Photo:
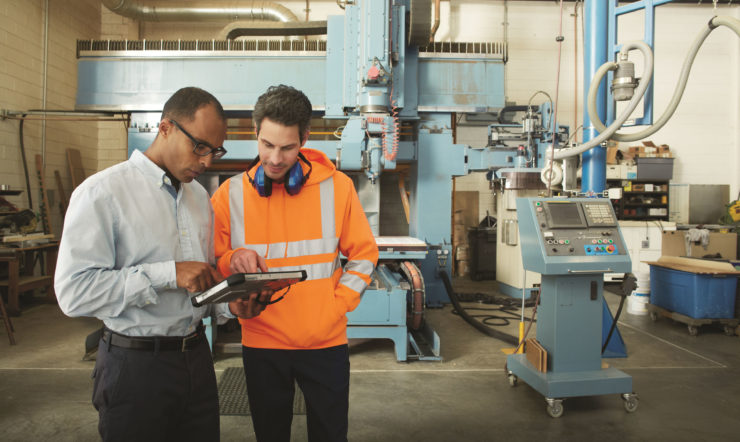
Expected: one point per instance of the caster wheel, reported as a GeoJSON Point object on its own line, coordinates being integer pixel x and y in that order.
{"type": "Point", "coordinates": [555, 408]}
{"type": "Point", "coordinates": [513, 380]}
{"type": "Point", "coordinates": [729, 331]}
{"type": "Point", "coordinates": [693, 330]}
{"type": "Point", "coordinates": [653, 316]}
{"type": "Point", "coordinates": [630, 402]}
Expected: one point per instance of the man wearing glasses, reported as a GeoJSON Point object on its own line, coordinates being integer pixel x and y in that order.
{"type": "Point", "coordinates": [137, 243]}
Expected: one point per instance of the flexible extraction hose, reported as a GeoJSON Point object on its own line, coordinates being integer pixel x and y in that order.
{"type": "Point", "coordinates": [593, 89]}
{"type": "Point", "coordinates": [610, 132]}
{"type": "Point", "coordinates": [714, 23]}
{"type": "Point", "coordinates": [511, 109]}
{"type": "Point", "coordinates": [478, 325]}
{"type": "Point", "coordinates": [417, 294]}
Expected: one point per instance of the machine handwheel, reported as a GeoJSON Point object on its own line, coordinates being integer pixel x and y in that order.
{"type": "Point", "coordinates": [630, 402]}
{"type": "Point", "coordinates": [513, 380]}
{"type": "Point", "coordinates": [555, 407]}
{"type": "Point", "coordinates": [693, 330]}
{"type": "Point", "coordinates": [653, 316]}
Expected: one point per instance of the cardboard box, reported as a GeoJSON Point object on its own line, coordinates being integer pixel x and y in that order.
{"type": "Point", "coordinates": [648, 149]}
{"type": "Point", "coordinates": [629, 172]}
{"type": "Point", "coordinates": [674, 244]}
{"type": "Point", "coordinates": [613, 171]}
{"type": "Point", "coordinates": [697, 288]}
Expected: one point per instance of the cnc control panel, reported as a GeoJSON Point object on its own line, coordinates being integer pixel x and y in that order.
{"type": "Point", "coordinates": [578, 227]}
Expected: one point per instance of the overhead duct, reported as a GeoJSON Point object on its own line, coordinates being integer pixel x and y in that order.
{"type": "Point", "coordinates": [183, 11]}
{"type": "Point", "coordinates": [238, 29]}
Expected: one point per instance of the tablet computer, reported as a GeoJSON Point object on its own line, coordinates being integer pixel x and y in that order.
{"type": "Point", "coordinates": [240, 285]}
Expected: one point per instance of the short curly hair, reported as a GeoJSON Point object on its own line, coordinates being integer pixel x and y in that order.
{"type": "Point", "coordinates": [184, 103]}
{"type": "Point", "coordinates": [285, 105]}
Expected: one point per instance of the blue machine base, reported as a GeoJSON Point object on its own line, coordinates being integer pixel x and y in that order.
{"type": "Point", "coordinates": [515, 292]}
{"type": "Point", "coordinates": [399, 336]}
{"type": "Point", "coordinates": [570, 384]}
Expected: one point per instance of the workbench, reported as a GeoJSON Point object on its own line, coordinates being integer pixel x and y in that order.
{"type": "Point", "coordinates": [21, 276]}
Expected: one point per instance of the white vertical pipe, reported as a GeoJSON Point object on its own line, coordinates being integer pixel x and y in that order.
{"type": "Point", "coordinates": [46, 64]}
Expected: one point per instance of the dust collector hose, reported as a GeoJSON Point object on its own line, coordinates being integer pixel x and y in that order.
{"type": "Point", "coordinates": [714, 23]}
{"type": "Point", "coordinates": [478, 325]}
{"type": "Point", "coordinates": [607, 133]}
{"type": "Point", "coordinates": [611, 131]}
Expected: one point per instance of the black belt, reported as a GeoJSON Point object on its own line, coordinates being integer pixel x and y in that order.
{"type": "Point", "coordinates": [160, 343]}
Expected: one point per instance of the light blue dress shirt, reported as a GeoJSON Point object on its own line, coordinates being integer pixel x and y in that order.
{"type": "Point", "coordinates": [125, 228]}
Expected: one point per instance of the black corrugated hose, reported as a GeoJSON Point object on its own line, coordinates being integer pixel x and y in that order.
{"type": "Point", "coordinates": [477, 324]}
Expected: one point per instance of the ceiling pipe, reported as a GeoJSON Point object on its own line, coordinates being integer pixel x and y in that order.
{"type": "Point", "coordinates": [237, 29]}
{"type": "Point", "coordinates": [152, 10]}
{"type": "Point", "coordinates": [436, 21]}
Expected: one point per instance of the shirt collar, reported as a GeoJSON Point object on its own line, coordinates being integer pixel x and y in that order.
{"type": "Point", "coordinates": [149, 169]}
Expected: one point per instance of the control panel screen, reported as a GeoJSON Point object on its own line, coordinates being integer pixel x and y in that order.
{"type": "Point", "coordinates": [564, 214]}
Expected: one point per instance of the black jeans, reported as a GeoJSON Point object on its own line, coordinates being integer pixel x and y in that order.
{"type": "Point", "coordinates": [156, 396]}
{"type": "Point", "coordinates": [322, 375]}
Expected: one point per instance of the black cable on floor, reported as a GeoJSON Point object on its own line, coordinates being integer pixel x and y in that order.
{"type": "Point", "coordinates": [470, 320]}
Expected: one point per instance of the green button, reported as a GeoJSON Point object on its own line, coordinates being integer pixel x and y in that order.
{"type": "Point", "coordinates": [567, 241]}
{"type": "Point", "coordinates": [538, 203]}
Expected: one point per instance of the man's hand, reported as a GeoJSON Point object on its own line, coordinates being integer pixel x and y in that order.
{"type": "Point", "coordinates": [196, 276]}
{"type": "Point", "coordinates": [247, 261]}
{"type": "Point", "coordinates": [252, 306]}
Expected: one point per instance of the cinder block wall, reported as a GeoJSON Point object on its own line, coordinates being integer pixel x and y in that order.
{"type": "Point", "coordinates": [24, 57]}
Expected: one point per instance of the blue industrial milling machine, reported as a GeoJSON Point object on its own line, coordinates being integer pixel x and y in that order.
{"type": "Point", "coordinates": [377, 72]}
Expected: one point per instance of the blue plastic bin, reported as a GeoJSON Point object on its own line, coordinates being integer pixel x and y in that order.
{"type": "Point", "coordinates": [695, 295]}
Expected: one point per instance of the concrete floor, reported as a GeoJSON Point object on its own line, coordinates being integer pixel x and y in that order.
{"type": "Point", "coordinates": [689, 387]}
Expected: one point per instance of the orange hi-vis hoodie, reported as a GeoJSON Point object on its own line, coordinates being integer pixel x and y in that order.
{"type": "Point", "coordinates": [306, 231]}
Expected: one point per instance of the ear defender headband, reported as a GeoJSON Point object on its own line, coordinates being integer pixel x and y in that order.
{"type": "Point", "coordinates": [294, 179]}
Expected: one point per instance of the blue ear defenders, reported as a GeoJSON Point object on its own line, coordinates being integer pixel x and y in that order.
{"type": "Point", "coordinates": [293, 182]}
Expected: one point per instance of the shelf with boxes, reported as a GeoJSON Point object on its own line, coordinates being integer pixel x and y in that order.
{"type": "Point", "coordinates": [643, 173]}
{"type": "Point", "coordinates": [641, 200]}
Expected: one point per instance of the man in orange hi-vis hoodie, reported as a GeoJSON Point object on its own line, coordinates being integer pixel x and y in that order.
{"type": "Point", "coordinates": [293, 210]}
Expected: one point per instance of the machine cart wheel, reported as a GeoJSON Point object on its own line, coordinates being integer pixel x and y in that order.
{"type": "Point", "coordinates": [630, 402]}
{"type": "Point", "coordinates": [693, 324]}
{"type": "Point", "coordinates": [554, 407]}
{"type": "Point", "coordinates": [513, 379]}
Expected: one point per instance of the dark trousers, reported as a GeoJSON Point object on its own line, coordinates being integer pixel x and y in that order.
{"type": "Point", "coordinates": [156, 395]}
{"type": "Point", "coordinates": [322, 375]}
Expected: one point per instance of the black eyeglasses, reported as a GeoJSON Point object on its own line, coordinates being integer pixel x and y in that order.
{"type": "Point", "coordinates": [201, 148]}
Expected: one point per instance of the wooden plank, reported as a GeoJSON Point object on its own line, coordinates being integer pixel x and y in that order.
{"type": "Point", "coordinates": [76, 171]}
{"type": "Point", "coordinates": [44, 204]}
{"type": "Point", "coordinates": [62, 194]}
